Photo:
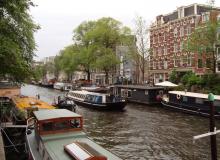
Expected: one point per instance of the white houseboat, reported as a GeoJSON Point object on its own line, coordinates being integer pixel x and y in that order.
{"type": "Point", "coordinates": [99, 101]}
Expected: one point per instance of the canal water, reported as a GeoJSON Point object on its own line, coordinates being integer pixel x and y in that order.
{"type": "Point", "coordinates": [142, 132]}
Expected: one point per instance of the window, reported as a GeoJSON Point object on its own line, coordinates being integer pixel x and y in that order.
{"type": "Point", "coordinates": [175, 48]}
{"type": "Point", "coordinates": [165, 64]}
{"type": "Point", "coordinates": [175, 32]}
{"type": "Point", "coordinates": [165, 50]}
{"type": "Point", "coordinates": [188, 30]}
{"type": "Point", "coordinates": [176, 62]}
{"type": "Point", "coordinates": [47, 126]}
{"type": "Point", "coordinates": [185, 99]}
{"type": "Point", "coordinates": [199, 63]}
{"type": "Point", "coordinates": [181, 31]}
{"type": "Point", "coordinates": [181, 46]}
{"type": "Point", "coordinates": [159, 50]}
{"type": "Point", "coordinates": [146, 92]}
{"type": "Point", "coordinates": [164, 37]}
{"type": "Point", "coordinates": [205, 17]}
{"type": "Point", "coordinates": [218, 52]}
{"type": "Point", "coordinates": [154, 65]}
{"type": "Point", "coordinates": [199, 100]}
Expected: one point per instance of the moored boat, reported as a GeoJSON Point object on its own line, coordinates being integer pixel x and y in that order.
{"type": "Point", "coordinates": [99, 101]}
{"type": "Point", "coordinates": [27, 105]}
{"type": "Point", "coordinates": [58, 135]}
{"type": "Point", "coordinates": [190, 102]}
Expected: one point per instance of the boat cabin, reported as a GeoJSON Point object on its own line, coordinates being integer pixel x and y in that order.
{"type": "Point", "coordinates": [57, 121]}
{"type": "Point", "coordinates": [138, 93]}
{"type": "Point", "coordinates": [59, 135]}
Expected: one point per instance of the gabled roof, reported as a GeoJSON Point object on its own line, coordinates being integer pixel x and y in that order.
{"type": "Point", "coordinates": [54, 113]}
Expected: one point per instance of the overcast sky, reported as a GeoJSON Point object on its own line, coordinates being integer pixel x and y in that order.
{"type": "Point", "coordinates": [58, 18]}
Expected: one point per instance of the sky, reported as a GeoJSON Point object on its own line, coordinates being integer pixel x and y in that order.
{"type": "Point", "coordinates": [58, 18]}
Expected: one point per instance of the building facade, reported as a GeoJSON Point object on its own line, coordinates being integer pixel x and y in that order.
{"type": "Point", "coordinates": [167, 37]}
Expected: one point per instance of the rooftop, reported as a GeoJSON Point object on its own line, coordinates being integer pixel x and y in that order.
{"type": "Point", "coordinates": [137, 87]}
{"type": "Point", "coordinates": [54, 113]}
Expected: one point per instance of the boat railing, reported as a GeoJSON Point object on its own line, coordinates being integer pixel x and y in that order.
{"type": "Point", "coordinates": [27, 139]}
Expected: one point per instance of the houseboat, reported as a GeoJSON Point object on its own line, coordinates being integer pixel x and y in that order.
{"type": "Point", "coordinates": [99, 101]}
{"type": "Point", "coordinates": [138, 93]}
{"type": "Point", "coordinates": [58, 135]}
{"type": "Point", "coordinates": [190, 102]}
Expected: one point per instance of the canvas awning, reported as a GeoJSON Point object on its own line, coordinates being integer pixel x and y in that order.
{"type": "Point", "coordinates": [166, 84]}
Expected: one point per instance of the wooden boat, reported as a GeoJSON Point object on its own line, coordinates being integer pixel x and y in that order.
{"type": "Point", "coordinates": [190, 102]}
{"type": "Point", "coordinates": [99, 101]}
{"type": "Point", "coordinates": [58, 135]}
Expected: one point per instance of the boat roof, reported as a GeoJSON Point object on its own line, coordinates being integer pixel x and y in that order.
{"type": "Point", "coordinates": [193, 94]}
{"type": "Point", "coordinates": [138, 87]}
{"type": "Point", "coordinates": [54, 113]}
{"type": "Point", "coordinates": [23, 102]}
{"type": "Point", "coordinates": [54, 144]}
{"type": "Point", "coordinates": [87, 92]}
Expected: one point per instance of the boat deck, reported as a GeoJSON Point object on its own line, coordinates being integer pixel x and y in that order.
{"type": "Point", "coordinates": [2, 150]}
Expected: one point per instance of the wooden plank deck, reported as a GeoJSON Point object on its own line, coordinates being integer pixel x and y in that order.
{"type": "Point", "coordinates": [2, 150]}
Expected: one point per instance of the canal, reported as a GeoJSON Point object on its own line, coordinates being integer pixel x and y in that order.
{"type": "Point", "coordinates": [142, 132]}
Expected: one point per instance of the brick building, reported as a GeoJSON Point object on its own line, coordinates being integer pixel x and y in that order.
{"type": "Point", "coordinates": [167, 36]}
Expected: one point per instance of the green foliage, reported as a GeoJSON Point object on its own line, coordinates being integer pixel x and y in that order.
{"type": "Point", "coordinates": [190, 79]}
{"type": "Point", "coordinates": [203, 39]}
{"type": "Point", "coordinates": [16, 39]}
{"type": "Point", "coordinates": [173, 76]}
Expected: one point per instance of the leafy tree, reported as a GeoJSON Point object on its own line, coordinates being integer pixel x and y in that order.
{"type": "Point", "coordinates": [173, 76]}
{"type": "Point", "coordinates": [204, 39]}
{"type": "Point", "coordinates": [107, 62]}
{"type": "Point", "coordinates": [16, 39]}
{"type": "Point", "coordinates": [68, 60]}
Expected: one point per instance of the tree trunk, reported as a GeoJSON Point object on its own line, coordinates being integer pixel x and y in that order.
{"type": "Point", "coordinates": [88, 75]}
{"type": "Point", "coordinates": [106, 77]}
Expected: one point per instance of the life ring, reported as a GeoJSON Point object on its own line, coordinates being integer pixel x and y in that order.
{"type": "Point", "coordinates": [178, 96]}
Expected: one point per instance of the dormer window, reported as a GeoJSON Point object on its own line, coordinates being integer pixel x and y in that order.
{"type": "Point", "coordinates": [205, 16]}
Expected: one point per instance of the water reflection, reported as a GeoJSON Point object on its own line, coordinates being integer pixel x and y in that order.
{"type": "Point", "coordinates": [142, 132]}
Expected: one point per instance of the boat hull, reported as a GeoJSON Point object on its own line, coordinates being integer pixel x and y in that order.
{"type": "Point", "coordinates": [102, 106]}
{"type": "Point", "coordinates": [188, 109]}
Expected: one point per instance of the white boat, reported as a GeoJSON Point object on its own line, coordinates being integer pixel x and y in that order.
{"type": "Point", "coordinates": [62, 86]}
{"type": "Point", "coordinates": [99, 101]}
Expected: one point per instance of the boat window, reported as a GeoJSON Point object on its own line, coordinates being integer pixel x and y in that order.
{"type": "Point", "coordinates": [146, 92]}
{"type": "Point", "coordinates": [48, 126]}
{"type": "Point", "coordinates": [185, 99]}
{"type": "Point", "coordinates": [199, 100]}
{"type": "Point", "coordinates": [98, 99]}
{"type": "Point", "coordinates": [62, 125]}
{"type": "Point", "coordinates": [75, 123]}
{"type": "Point", "coordinates": [129, 93]}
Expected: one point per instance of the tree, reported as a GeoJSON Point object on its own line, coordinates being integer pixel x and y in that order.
{"type": "Point", "coordinates": [107, 62]}
{"type": "Point", "coordinates": [16, 39]}
{"type": "Point", "coordinates": [68, 60]}
{"type": "Point", "coordinates": [142, 42]}
{"type": "Point", "coordinates": [205, 38]}
{"type": "Point", "coordinates": [97, 41]}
